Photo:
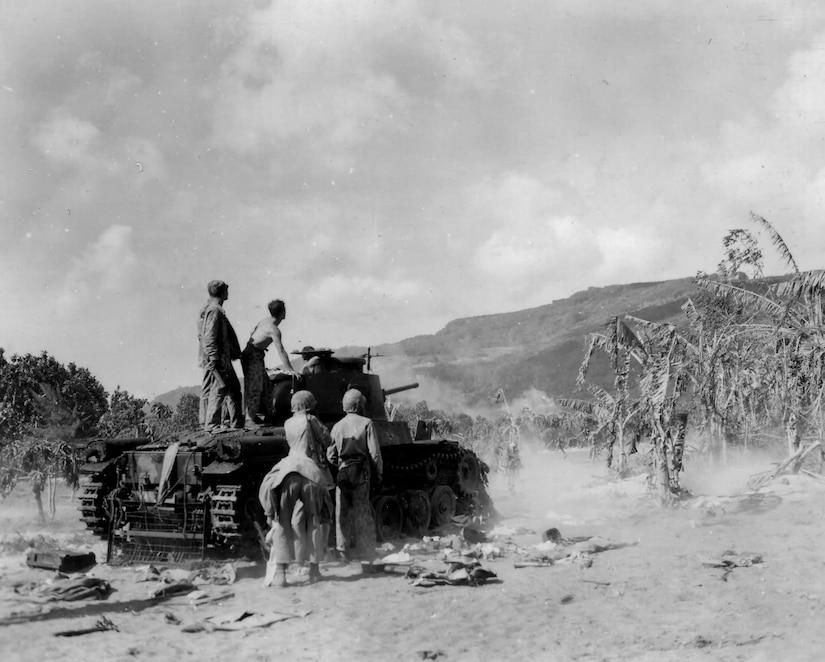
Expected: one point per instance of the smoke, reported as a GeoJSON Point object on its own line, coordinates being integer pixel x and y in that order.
{"type": "Point", "coordinates": [439, 395]}
{"type": "Point", "coordinates": [704, 476]}
{"type": "Point", "coordinates": [563, 490]}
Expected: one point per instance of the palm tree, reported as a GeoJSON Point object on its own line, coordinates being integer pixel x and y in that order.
{"type": "Point", "coordinates": [660, 355]}
{"type": "Point", "coordinates": [786, 335]}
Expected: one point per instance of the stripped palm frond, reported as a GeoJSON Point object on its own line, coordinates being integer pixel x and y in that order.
{"type": "Point", "coordinates": [655, 329]}
{"type": "Point", "coordinates": [594, 341]}
{"type": "Point", "coordinates": [626, 337]}
{"type": "Point", "coordinates": [605, 399]}
{"type": "Point", "coordinates": [655, 382]}
{"type": "Point", "coordinates": [776, 240]}
{"type": "Point", "coordinates": [693, 315]}
{"type": "Point", "coordinates": [761, 303]}
{"type": "Point", "coordinates": [805, 285]}
{"type": "Point", "coordinates": [587, 407]}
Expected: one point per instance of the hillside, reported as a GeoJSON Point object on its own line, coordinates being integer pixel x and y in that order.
{"type": "Point", "coordinates": [171, 398]}
{"type": "Point", "coordinates": [537, 348]}
{"type": "Point", "coordinates": [534, 348]}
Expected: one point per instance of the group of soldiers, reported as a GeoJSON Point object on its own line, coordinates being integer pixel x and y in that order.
{"type": "Point", "coordinates": [296, 493]}
{"type": "Point", "coordinates": [221, 404]}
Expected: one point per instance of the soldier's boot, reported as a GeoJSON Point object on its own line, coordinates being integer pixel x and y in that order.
{"type": "Point", "coordinates": [280, 576]}
{"type": "Point", "coordinates": [314, 573]}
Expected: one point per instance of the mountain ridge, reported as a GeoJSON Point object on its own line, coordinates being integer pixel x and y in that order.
{"type": "Point", "coordinates": [534, 348]}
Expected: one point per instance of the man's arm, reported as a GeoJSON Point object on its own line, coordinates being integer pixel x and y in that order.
{"type": "Point", "coordinates": [332, 454]}
{"type": "Point", "coordinates": [320, 431]}
{"type": "Point", "coordinates": [286, 364]}
{"type": "Point", "coordinates": [211, 339]}
{"type": "Point", "coordinates": [374, 450]}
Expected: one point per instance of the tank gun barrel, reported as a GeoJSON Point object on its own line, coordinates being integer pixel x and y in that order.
{"type": "Point", "coordinates": [398, 389]}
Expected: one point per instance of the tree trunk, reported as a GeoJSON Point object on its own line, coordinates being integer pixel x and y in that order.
{"type": "Point", "coordinates": [661, 468]}
{"type": "Point", "coordinates": [792, 434]}
{"type": "Point", "coordinates": [38, 497]}
{"type": "Point", "coordinates": [53, 497]}
{"type": "Point", "coordinates": [622, 451]}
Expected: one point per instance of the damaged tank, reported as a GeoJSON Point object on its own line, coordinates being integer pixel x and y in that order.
{"type": "Point", "coordinates": [195, 494]}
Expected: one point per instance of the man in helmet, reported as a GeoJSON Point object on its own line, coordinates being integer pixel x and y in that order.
{"type": "Point", "coordinates": [356, 453]}
{"type": "Point", "coordinates": [295, 495]}
{"type": "Point", "coordinates": [257, 391]}
{"type": "Point", "coordinates": [218, 347]}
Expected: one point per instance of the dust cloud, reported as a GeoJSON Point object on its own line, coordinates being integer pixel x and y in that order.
{"type": "Point", "coordinates": [554, 489]}
{"type": "Point", "coordinates": [712, 477]}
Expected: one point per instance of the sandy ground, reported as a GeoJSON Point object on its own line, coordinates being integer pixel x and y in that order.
{"type": "Point", "coordinates": [653, 600]}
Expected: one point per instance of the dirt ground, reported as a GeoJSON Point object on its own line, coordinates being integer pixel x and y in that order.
{"type": "Point", "coordinates": [654, 599]}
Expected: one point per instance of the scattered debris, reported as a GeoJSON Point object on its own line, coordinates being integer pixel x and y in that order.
{"type": "Point", "coordinates": [730, 560]}
{"type": "Point", "coordinates": [67, 589]}
{"type": "Point", "coordinates": [224, 574]}
{"type": "Point", "coordinates": [733, 560]}
{"type": "Point", "coordinates": [102, 625]}
{"type": "Point", "coordinates": [473, 536]}
{"type": "Point", "coordinates": [460, 571]}
{"type": "Point", "coordinates": [533, 564]}
{"type": "Point", "coordinates": [241, 620]}
{"type": "Point", "coordinates": [397, 558]}
{"type": "Point", "coordinates": [174, 588]}
{"type": "Point", "coordinates": [552, 535]}
{"type": "Point", "coordinates": [169, 617]}
{"type": "Point", "coordinates": [556, 549]}
{"type": "Point", "coordinates": [430, 655]}
{"type": "Point", "coordinates": [60, 560]}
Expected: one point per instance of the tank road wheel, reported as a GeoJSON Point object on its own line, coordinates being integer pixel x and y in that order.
{"type": "Point", "coordinates": [442, 505]}
{"type": "Point", "coordinates": [469, 474]}
{"type": "Point", "coordinates": [416, 513]}
{"type": "Point", "coordinates": [431, 470]}
{"type": "Point", "coordinates": [389, 518]}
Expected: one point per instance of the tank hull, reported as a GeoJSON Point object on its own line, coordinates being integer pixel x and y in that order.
{"type": "Point", "coordinates": [194, 494]}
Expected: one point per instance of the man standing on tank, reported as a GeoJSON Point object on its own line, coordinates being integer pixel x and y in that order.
{"type": "Point", "coordinates": [257, 389]}
{"type": "Point", "coordinates": [218, 347]}
{"type": "Point", "coordinates": [355, 451]}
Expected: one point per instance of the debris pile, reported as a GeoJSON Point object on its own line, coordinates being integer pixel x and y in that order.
{"type": "Point", "coordinates": [66, 589]}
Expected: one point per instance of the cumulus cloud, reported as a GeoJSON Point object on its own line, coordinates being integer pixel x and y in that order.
{"type": "Point", "coordinates": [105, 267]}
{"type": "Point", "coordinates": [66, 140]}
{"type": "Point", "coordinates": [772, 165]}
{"type": "Point", "coordinates": [335, 74]}
{"type": "Point", "coordinates": [342, 290]}
{"type": "Point", "coordinates": [527, 238]}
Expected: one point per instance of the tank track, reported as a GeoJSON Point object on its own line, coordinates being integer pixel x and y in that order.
{"type": "Point", "coordinates": [93, 509]}
{"type": "Point", "coordinates": [235, 520]}
{"type": "Point", "coordinates": [226, 513]}
{"type": "Point", "coordinates": [426, 492]}
{"type": "Point", "coordinates": [460, 469]}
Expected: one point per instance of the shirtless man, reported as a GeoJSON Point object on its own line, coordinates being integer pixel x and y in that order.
{"type": "Point", "coordinates": [256, 382]}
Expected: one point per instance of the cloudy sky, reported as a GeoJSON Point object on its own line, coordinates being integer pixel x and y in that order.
{"type": "Point", "coordinates": [384, 167]}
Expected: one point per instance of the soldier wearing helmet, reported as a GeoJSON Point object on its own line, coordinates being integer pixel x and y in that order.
{"type": "Point", "coordinates": [356, 454]}
{"type": "Point", "coordinates": [299, 532]}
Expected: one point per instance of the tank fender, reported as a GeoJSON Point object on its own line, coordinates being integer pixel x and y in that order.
{"type": "Point", "coordinates": [221, 468]}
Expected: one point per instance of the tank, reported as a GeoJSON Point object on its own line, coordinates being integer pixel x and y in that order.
{"type": "Point", "coordinates": [195, 494]}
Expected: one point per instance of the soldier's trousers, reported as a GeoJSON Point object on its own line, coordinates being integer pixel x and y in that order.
{"type": "Point", "coordinates": [219, 389]}
{"type": "Point", "coordinates": [257, 390]}
{"type": "Point", "coordinates": [355, 524]}
{"type": "Point", "coordinates": [299, 533]}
